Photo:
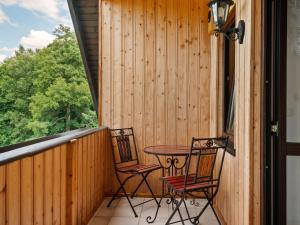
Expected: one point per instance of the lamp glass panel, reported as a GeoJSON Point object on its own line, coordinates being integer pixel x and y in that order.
{"type": "Point", "coordinates": [214, 7]}
{"type": "Point", "coordinates": [222, 13]}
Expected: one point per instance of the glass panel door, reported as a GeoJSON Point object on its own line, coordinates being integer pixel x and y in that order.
{"type": "Point", "coordinates": [293, 71]}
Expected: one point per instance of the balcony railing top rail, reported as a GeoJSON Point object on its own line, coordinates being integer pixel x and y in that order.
{"type": "Point", "coordinates": [19, 151]}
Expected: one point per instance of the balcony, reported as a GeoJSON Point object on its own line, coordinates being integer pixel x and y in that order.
{"type": "Point", "coordinates": [155, 66]}
{"type": "Point", "coordinates": [68, 180]}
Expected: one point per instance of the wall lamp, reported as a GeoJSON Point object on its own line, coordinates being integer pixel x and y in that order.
{"type": "Point", "coordinates": [219, 14]}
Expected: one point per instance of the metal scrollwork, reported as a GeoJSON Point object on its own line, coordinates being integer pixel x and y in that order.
{"type": "Point", "coordinates": [233, 34]}
{"type": "Point", "coordinates": [195, 203]}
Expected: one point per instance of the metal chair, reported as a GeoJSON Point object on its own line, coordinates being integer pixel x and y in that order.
{"type": "Point", "coordinates": [126, 161]}
{"type": "Point", "coordinates": [202, 175]}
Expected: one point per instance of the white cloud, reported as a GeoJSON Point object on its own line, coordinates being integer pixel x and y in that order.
{"type": "Point", "coordinates": [49, 8]}
{"type": "Point", "coordinates": [6, 52]}
{"type": "Point", "coordinates": [2, 57]}
{"type": "Point", "coordinates": [37, 39]}
{"type": "Point", "coordinates": [3, 17]}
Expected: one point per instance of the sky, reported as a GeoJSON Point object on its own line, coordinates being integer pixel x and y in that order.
{"type": "Point", "coordinates": [30, 23]}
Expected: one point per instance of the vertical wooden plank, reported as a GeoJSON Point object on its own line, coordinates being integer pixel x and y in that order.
{"type": "Point", "coordinates": [48, 188]}
{"type": "Point", "coordinates": [108, 164]}
{"type": "Point", "coordinates": [128, 62]}
{"type": "Point", "coordinates": [63, 199]}
{"type": "Point", "coordinates": [13, 198]}
{"type": "Point", "coordinates": [106, 66]}
{"type": "Point", "coordinates": [80, 182]}
{"type": "Point", "coordinates": [2, 195]}
{"type": "Point", "coordinates": [172, 74]}
{"type": "Point", "coordinates": [182, 68]}
{"type": "Point", "coordinates": [117, 63]}
{"type": "Point", "coordinates": [240, 122]}
{"type": "Point", "coordinates": [88, 175]}
{"type": "Point", "coordinates": [27, 191]}
{"type": "Point", "coordinates": [57, 185]}
{"type": "Point", "coordinates": [39, 189]}
{"type": "Point", "coordinates": [193, 79]}
{"type": "Point", "coordinates": [100, 70]}
{"type": "Point", "coordinates": [84, 180]}
{"type": "Point", "coordinates": [139, 73]}
{"type": "Point", "coordinates": [72, 184]}
{"type": "Point", "coordinates": [205, 65]}
{"type": "Point", "coordinates": [214, 89]}
{"type": "Point", "coordinates": [97, 169]}
{"type": "Point", "coordinates": [257, 115]}
{"type": "Point", "coordinates": [92, 172]}
{"type": "Point", "coordinates": [149, 86]}
{"type": "Point", "coordinates": [248, 13]}
{"type": "Point", "coordinates": [150, 73]}
{"type": "Point", "coordinates": [102, 169]}
{"type": "Point", "coordinates": [160, 57]}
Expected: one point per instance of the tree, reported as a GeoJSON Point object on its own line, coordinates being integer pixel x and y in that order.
{"type": "Point", "coordinates": [44, 92]}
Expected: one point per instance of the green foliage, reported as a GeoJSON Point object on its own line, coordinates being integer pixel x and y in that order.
{"type": "Point", "coordinates": [44, 92]}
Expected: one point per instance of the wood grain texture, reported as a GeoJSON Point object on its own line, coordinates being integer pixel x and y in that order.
{"type": "Point", "coordinates": [239, 198]}
{"type": "Point", "coordinates": [2, 195]}
{"type": "Point", "coordinates": [156, 71]}
{"type": "Point", "coordinates": [27, 191]}
{"type": "Point", "coordinates": [13, 194]}
{"type": "Point", "coordinates": [48, 188]}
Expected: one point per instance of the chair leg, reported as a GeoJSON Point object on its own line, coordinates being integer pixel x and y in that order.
{"type": "Point", "coordinates": [135, 214]}
{"type": "Point", "coordinates": [137, 188]}
{"type": "Point", "coordinates": [114, 197]}
{"type": "Point", "coordinates": [118, 191]}
{"type": "Point", "coordinates": [209, 203]}
{"type": "Point", "coordinates": [188, 214]}
{"type": "Point", "coordinates": [213, 209]}
{"type": "Point", "coordinates": [123, 189]}
{"type": "Point", "coordinates": [196, 220]}
{"type": "Point", "coordinates": [145, 179]}
{"type": "Point", "coordinates": [174, 211]}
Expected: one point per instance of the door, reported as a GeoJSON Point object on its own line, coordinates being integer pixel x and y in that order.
{"type": "Point", "coordinates": [282, 85]}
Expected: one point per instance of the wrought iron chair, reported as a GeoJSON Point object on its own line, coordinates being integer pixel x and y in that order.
{"type": "Point", "coordinates": [202, 175]}
{"type": "Point", "coordinates": [126, 161]}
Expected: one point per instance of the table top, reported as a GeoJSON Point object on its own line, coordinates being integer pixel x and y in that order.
{"type": "Point", "coordinates": [168, 150]}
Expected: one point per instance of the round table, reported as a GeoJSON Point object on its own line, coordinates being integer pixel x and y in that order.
{"type": "Point", "coordinates": [168, 150]}
{"type": "Point", "coordinates": [172, 164]}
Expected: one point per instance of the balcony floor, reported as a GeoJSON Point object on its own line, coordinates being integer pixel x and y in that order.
{"type": "Point", "coordinates": [120, 213]}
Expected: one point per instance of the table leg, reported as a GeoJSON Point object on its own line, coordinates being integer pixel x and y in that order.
{"type": "Point", "coordinates": [170, 169]}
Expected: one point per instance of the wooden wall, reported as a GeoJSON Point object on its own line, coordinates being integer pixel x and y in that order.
{"type": "Point", "coordinates": [64, 185]}
{"type": "Point", "coordinates": [155, 77]}
{"type": "Point", "coordinates": [239, 199]}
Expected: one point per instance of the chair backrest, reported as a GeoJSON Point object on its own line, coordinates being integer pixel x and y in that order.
{"type": "Point", "coordinates": [205, 160]}
{"type": "Point", "coordinates": [124, 147]}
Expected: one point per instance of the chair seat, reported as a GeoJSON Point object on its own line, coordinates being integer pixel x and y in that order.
{"type": "Point", "coordinates": [177, 183]}
{"type": "Point", "coordinates": [139, 168]}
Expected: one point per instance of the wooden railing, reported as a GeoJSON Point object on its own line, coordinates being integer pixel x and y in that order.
{"type": "Point", "coordinates": [59, 181]}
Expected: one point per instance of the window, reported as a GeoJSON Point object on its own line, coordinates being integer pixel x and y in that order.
{"type": "Point", "coordinates": [229, 88]}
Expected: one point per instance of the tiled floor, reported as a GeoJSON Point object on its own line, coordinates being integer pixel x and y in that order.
{"type": "Point", "coordinates": [120, 213]}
